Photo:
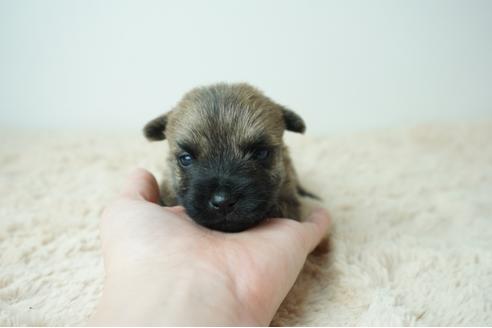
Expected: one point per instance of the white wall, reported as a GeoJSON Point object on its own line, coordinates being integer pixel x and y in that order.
{"type": "Point", "coordinates": [343, 65]}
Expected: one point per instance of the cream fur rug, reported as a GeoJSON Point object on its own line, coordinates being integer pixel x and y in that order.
{"type": "Point", "coordinates": [411, 245]}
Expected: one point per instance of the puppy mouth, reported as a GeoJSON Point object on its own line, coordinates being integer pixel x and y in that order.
{"type": "Point", "coordinates": [232, 223]}
{"type": "Point", "coordinates": [235, 221]}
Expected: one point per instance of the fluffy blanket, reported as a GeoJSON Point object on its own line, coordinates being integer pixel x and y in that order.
{"type": "Point", "coordinates": [411, 244]}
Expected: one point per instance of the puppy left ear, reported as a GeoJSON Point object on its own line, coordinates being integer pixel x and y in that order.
{"type": "Point", "coordinates": [155, 129]}
{"type": "Point", "coordinates": [293, 122]}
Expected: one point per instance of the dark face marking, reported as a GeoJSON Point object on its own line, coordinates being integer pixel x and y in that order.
{"type": "Point", "coordinates": [232, 199]}
{"type": "Point", "coordinates": [228, 190]}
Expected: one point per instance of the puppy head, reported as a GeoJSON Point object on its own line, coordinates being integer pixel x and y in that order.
{"type": "Point", "coordinates": [226, 153]}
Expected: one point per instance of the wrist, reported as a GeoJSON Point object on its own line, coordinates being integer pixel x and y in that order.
{"type": "Point", "coordinates": [187, 297]}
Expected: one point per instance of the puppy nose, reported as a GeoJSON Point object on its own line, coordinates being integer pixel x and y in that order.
{"type": "Point", "coordinates": [222, 201]}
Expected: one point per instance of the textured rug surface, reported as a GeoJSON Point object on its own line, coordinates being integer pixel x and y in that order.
{"type": "Point", "coordinates": [411, 243]}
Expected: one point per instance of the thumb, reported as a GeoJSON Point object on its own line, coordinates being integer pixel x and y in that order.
{"type": "Point", "coordinates": [141, 184]}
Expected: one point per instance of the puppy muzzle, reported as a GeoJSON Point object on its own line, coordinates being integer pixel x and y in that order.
{"type": "Point", "coordinates": [228, 205]}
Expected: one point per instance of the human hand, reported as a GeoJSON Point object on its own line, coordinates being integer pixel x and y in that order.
{"type": "Point", "coordinates": [164, 269]}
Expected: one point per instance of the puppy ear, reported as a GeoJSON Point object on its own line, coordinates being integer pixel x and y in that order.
{"type": "Point", "coordinates": [293, 122]}
{"type": "Point", "coordinates": [155, 129]}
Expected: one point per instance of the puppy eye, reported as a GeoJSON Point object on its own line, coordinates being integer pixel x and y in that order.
{"type": "Point", "coordinates": [185, 159]}
{"type": "Point", "coordinates": [261, 154]}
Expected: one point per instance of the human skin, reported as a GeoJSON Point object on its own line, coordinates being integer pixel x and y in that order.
{"type": "Point", "coordinates": [164, 269]}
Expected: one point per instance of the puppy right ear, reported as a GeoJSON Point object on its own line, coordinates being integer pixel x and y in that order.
{"type": "Point", "coordinates": [293, 122]}
{"type": "Point", "coordinates": [155, 129]}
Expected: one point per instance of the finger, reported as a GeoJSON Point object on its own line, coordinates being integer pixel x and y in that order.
{"type": "Point", "coordinates": [179, 210]}
{"type": "Point", "coordinates": [315, 227]}
{"type": "Point", "coordinates": [141, 184]}
{"type": "Point", "coordinates": [307, 233]}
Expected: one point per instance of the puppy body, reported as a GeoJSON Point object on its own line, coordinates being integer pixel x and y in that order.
{"type": "Point", "coordinates": [228, 164]}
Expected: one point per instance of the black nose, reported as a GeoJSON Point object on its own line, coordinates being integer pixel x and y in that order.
{"type": "Point", "coordinates": [222, 201]}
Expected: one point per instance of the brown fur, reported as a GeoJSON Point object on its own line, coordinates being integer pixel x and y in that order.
{"type": "Point", "coordinates": [236, 114]}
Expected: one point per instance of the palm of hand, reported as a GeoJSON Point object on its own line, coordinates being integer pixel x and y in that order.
{"type": "Point", "coordinates": [251, 271]}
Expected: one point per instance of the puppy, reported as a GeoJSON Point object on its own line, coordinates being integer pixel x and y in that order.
{"type": "Point", "coordinates": [229, 167]}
